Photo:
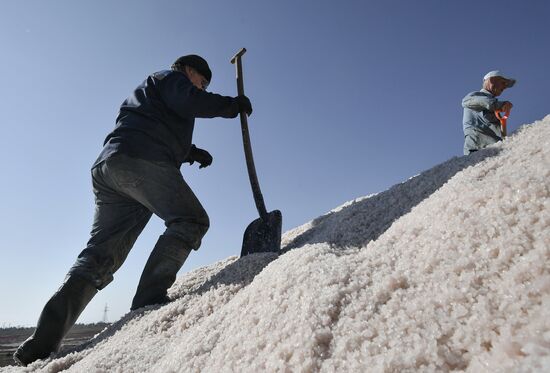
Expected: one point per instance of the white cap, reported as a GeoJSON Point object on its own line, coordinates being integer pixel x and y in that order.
{"type": "Point", "coordinates": [509, 81]}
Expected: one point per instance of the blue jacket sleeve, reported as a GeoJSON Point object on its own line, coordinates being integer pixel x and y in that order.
{"type": "Point", "coordinates": [182, 97]}
{"type": "Point", "coordinates": [478, 101]}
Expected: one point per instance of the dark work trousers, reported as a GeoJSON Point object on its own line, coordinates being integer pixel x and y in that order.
{"type": "Point", "coordinates": [127, 192]}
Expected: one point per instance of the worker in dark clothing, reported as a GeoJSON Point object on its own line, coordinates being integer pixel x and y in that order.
{"type": "Point", "coordinates": [480, 125]}
{"type": "Point", "coordinates": [136, 175]}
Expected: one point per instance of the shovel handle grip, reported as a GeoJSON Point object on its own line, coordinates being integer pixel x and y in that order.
{"type": "Point", "coordinates": [258, 198]}
{"type": "Point", "coordinates": [502, 118]}
{"type": "Point", "coordinates": [236, 60]}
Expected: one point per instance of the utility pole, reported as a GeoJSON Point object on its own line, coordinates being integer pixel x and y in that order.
{"type": "Point", "coordinates": [105, 320]}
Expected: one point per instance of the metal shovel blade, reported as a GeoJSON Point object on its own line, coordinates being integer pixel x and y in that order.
{"type": "Point", "coordinates": [263, 235]}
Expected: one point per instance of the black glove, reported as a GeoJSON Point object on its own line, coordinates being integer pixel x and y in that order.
{"type": "Point", "coordinates": [244, 104]}
{"type": "Point", "coordinates": [199, 155]}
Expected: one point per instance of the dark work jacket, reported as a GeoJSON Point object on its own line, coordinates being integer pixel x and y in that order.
{"type": "Point", "coordinates": [156, 121]}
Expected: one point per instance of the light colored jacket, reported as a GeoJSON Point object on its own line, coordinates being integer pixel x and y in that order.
{"type": "Point", "coordinates": [479, 114]}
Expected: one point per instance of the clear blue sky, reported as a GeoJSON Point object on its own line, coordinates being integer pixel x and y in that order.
{"type": "Point", "coordinates": [349, 98]}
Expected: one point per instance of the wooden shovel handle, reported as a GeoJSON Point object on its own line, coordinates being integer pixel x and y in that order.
{"type": "Point", "coordinates": [258, 198]}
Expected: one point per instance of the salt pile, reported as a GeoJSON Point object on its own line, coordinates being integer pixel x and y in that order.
{"type": "Point", "coordinates": [449, 270]}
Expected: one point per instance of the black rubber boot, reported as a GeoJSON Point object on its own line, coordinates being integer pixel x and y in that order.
{"type": "Point", "coordinates": [160, 272]}
{"type": "Point", "coordinates": [57, 317]}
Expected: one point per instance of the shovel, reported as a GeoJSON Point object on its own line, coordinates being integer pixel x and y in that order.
{"type": "Point", "coordinates": [502, 117]}
{"type": "Point", "coordinates": [263, 235]}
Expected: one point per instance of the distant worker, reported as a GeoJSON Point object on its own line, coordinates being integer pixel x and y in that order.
{"type": "Point", "coordinates": [480, 124]}
{"type": "Point", "coordinates": [136, 175]}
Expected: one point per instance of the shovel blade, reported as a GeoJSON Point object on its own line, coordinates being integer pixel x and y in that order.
{"type": "Point", "coordinates": [263, 235]}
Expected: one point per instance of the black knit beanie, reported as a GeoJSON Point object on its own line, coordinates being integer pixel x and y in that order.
{"type": "Point", "coordinates": [194, 61]}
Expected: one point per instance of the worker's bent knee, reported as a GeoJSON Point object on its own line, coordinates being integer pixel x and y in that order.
{"type": "Point", "coordinates": [190, 231]}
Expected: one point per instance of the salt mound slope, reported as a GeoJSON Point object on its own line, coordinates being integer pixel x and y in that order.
{"type": "Point", "coordinates": [446, 271]}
